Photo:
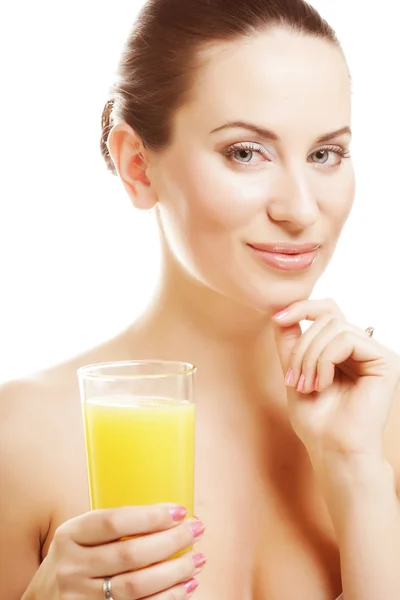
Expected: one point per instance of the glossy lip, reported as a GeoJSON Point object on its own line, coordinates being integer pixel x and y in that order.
{"type": "Point", "coordinates": [285, 248]}
{"type": "Point", "coordinates": [287, 257]}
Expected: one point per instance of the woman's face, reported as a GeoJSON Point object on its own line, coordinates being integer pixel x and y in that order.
{"type": "Point", "coordinates": [258, 166]}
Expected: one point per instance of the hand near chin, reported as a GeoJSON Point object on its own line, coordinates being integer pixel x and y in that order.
{"type": "Point", "coordinates": [341, 383]}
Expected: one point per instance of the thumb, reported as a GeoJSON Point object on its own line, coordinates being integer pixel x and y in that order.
{"type": "Point", "coordinates": [285, 338]}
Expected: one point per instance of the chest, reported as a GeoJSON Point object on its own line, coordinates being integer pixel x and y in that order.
{"type": "Point", "coordinates": [262, 548]}
{"type": "Point", "coordinates": [268, 534]}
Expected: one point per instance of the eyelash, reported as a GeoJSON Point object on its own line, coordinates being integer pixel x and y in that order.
{"type": "Point", "coordinates": [252, 147]}
{"type": "Point", "coordinates": [247, 146]}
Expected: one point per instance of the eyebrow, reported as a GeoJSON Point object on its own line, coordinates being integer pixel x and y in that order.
{"type": "Point", "coordinates": [268, 134]}
{"type": "Point", "coordinates": [334, 134]}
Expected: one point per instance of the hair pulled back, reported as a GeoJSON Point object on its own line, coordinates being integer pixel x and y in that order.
{"type": "Point", "coordinates": [161, 56]}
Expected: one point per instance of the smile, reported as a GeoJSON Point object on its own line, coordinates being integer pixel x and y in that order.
{"type": "Point", "coordinates": [286, 257]}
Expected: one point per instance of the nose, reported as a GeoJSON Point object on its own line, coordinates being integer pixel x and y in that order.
{"type": "Point", "coordinates": [292, 202]}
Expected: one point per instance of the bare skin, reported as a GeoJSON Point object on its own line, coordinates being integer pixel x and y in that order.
{"type": "Point", "coordinates": [268, 534]}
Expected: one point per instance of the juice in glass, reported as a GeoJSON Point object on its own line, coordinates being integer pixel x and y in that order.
{"type": "Point", "coordinates": [139, 423]}
{"type": "Point", "coordinates": [140, 451]}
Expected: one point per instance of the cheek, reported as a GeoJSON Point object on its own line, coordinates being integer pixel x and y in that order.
{"type": "Point", "coordinates": [209, 197]}
{"type": "Point", "coordinates": [206, 211]}
{"type": "Point", "coordinates": [338, 199]}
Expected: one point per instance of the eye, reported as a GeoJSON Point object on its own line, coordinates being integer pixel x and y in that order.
{"type": "Point", "coordinates": [246, 154]}
{"type": "Point", "coordinates": [330, 156]}
{"type": "Point", "coordinates": [321, 156]}
{"type": "Point", "coordinates": [243, 155]}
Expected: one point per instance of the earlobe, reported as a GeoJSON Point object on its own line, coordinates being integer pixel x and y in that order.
{"type": "Point", "coordinates": [128, 155]}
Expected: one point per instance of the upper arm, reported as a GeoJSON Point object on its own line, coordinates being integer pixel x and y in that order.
{"type": "Point", "coordinates": [19, 493]}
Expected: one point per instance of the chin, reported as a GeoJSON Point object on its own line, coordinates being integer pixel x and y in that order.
{"type": "Point", "coordinates": [273, 297]}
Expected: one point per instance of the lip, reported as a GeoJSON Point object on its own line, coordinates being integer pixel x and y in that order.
{"type": "Point", "coordinates": [286, 248]}
{"type": "Point", "coordinates": [287, 257]}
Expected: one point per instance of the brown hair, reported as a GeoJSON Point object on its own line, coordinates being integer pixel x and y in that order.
{"type": "Point", "coordinates": [160, 57]}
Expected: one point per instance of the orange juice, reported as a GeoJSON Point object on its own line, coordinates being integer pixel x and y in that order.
{"type": "Point", "coordinates": [140, 451]}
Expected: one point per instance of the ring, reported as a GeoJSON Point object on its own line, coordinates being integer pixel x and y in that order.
{"type": "Point", "coordinates": [107, 588]}
{"type": "Point", "coordinates": [370, 331]}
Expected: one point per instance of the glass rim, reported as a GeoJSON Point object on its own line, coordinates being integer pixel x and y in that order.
{"type": "Point", "coordinates": [99, 370]}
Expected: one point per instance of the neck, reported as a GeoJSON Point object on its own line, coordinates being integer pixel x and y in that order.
{"type": "Point", "coordinates": [226, 341]}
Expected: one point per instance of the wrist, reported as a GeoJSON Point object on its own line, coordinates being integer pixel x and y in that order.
{"type": "Point", "coordinates": [348, 470]}
{"type": "Point", "coordinates": [355, 485]}
{"type": "Point", "coordinates": [353, 476]}
{"type": "Point", "coordinates": [39, 588]}
{"type": "Point", "coordinates": [29, 595]}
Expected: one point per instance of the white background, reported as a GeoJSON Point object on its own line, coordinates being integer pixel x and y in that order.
{"type": "Point", "coordinates": [77, 263]}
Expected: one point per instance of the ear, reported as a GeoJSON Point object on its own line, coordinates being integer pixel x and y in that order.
{"type": "Point", "coordinates": [128, 155]}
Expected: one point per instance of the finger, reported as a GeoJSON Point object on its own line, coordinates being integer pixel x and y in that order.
{"type": "Point", "coordinates": [326, 372]}
{"type": "Point", "coordinates": [286, 338]}
{"type": "Point", "coordinates": [316, 338]}
{"type": "Point", "coordinates": [155, 579]}
{"type": "Point", "coordinates": [327, 366]}
{"type": "Point", "coordinates": [299, 375]}
{"type": "Point", "coordinates": [140, 552]}
{"type": "Point", "coordinates": [179, 592]}
{"type": "Point", "coordinates": [367, 356]}
{"type": "Point", "coordinates": [307, 310]}
{"type": "Point", "coordinates": [107, 525]}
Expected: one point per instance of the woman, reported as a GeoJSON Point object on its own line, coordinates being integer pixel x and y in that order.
{"type": "Point", "coordinates": [231, 120]}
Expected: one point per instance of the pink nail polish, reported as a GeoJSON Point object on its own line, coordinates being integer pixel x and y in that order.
{"type": "Point", "coordinates": [300, 385]}
{"type": "Point", "coordinates": [199, 560]}
{"type": "Point", "coordinates": [289, 379]}
{"type": "Point", "coordinates": [178, 513]}
{"type": "Point", "coordinates": [197, 528]}
{"type": "Point", "coordinates": [280, 315]}
{"type": "Point", "coordinates": [191, 585]}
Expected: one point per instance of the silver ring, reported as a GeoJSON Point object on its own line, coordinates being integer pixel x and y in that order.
{"type": "Point", "coordinates": [107, 588]}
{"type": "Point", "coordinates": [370, 331]}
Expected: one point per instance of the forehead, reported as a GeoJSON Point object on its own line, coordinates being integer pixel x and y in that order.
{"type": "Point", "coordinates": [278, 78]}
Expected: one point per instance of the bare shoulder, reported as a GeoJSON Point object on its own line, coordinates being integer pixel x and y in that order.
{"type": "Point", "coordinates": [42, 466]}
{"type": "Point", "coordinates": [37, 429]}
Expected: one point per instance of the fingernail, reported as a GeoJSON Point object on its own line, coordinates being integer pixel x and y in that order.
{"type": "Point", "coordinates": [280, 315]}
{"type": "Point", "coordinates": [199, 560]}
{"type": "Point", "coordinates": [178, 513]}
{"type": "Point", "coordinates": [289, 379]}
{"type": "Point", "coordinates": [191, 585]}
{"type": "Point", "coordinates": [197, 528]}
{"type": "Point", "coordinates": [300, 385]}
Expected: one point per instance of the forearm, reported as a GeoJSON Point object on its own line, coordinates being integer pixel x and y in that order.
{"type": "Point", "coordinates": [361, 498]}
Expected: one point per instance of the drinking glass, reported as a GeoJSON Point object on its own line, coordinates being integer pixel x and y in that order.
{"type": "Point", "coordinates": [139, 423]}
